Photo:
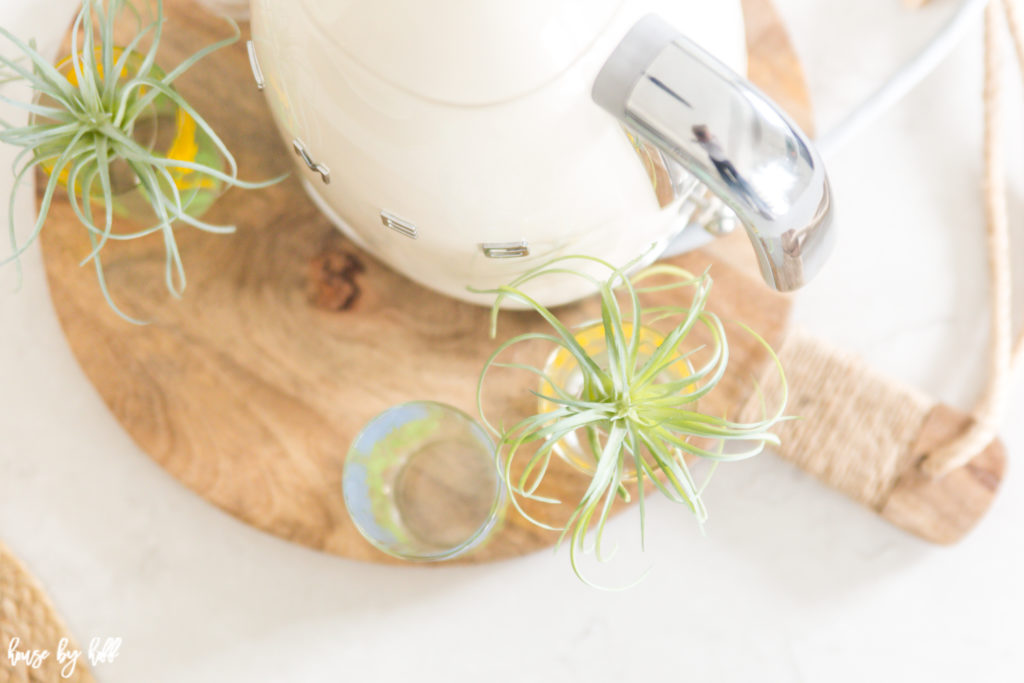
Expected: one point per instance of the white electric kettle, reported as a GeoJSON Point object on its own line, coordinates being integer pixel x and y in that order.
{"type": "Point", "coordinates": [464, 142]}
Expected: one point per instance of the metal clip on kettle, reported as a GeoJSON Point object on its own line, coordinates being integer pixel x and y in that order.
{"type": "Point", "coordinates": [732, 138]}
{"type": "Point", "coordinates": [460, 142]}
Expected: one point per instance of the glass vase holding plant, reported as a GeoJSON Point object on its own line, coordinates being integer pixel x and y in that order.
{"type": "Point", "coordinates": [108, 126]}
{"type": "Point", "coordinates": [620, 397]}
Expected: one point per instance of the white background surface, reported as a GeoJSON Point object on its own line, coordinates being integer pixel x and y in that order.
{"type": "Point", "coordinates": [792, 582]}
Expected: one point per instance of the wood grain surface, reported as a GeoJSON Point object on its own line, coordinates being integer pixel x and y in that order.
{"type": "Point", "coordinates": [944, 510]}
{"type": "Point", "coordinates": [289, 338]}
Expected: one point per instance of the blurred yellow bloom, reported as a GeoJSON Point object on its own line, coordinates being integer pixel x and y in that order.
{"type": "Point", "coordinates": [185, 148]}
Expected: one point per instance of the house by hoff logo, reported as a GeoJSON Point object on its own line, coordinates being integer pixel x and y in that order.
{"type": "Point", "coordinates": [101, 651]}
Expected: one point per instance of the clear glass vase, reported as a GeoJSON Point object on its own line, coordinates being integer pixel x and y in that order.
{"type": "Point", "coordinates": [563, 369]}
{"type": "Point", "coordinates": [421, 483]}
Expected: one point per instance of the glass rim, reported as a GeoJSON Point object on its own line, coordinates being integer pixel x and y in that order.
{"type": "Point", "coordinates": [577, 458]}
{"type": "Point", "coordinates": [481, 533]}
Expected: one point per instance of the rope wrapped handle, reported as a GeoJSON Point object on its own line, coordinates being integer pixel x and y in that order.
{"type": "Point", "coordinates": [867, 436]}
{"type": "Point", "coordinates": [26, 613]}
{"type": "Point", "coordinates": [923, 466]}
{"type": "Point", "coordinates": [1004, 354]}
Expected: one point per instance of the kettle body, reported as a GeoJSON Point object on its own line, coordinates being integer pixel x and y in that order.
{"type": "Point", "coordinates": [459, 141]}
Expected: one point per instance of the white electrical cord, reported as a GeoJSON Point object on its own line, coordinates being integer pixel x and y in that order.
{"type": "Point", "coordinates": [887, 95]}
{"type": "Point", "coordinates": [904, 80]}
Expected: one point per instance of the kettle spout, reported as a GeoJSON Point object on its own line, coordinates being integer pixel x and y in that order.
{"type": "Point", "coordinates": [732, 138]}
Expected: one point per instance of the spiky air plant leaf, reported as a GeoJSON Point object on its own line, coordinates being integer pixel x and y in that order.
{"type": "Point", "coordinates": [83, 121]}
{"type": "Point", "coordinates": [636, 402]}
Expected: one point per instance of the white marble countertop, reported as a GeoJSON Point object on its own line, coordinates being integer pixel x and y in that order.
{"type": "Point", "coordinates": [791, 583]}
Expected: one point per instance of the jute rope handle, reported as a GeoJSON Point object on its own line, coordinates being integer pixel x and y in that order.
{"type": "Point", "coordinates": [1004, 355]}
{"type": "Point", "coordinates": [922, 466]}
{"type": "Point", "coordinates": [865, 435]}
{"type": "Point", "coordinates": [27, 614]}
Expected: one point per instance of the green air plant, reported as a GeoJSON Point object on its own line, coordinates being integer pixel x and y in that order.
{"type": "Point", "coordinates": [89, 130]}
{"type": "Point", "coordinates": [632, 407]}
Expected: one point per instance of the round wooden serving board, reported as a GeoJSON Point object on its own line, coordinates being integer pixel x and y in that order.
{"type": "Point", "coordinates": [289, 338]}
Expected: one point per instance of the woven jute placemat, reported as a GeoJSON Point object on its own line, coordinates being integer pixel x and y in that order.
{"type": "Point", "coordinates": [27, 614]}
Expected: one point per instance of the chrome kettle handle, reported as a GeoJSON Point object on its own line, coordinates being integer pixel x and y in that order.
{"type": "Point", "coordinates": [732, 138]}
